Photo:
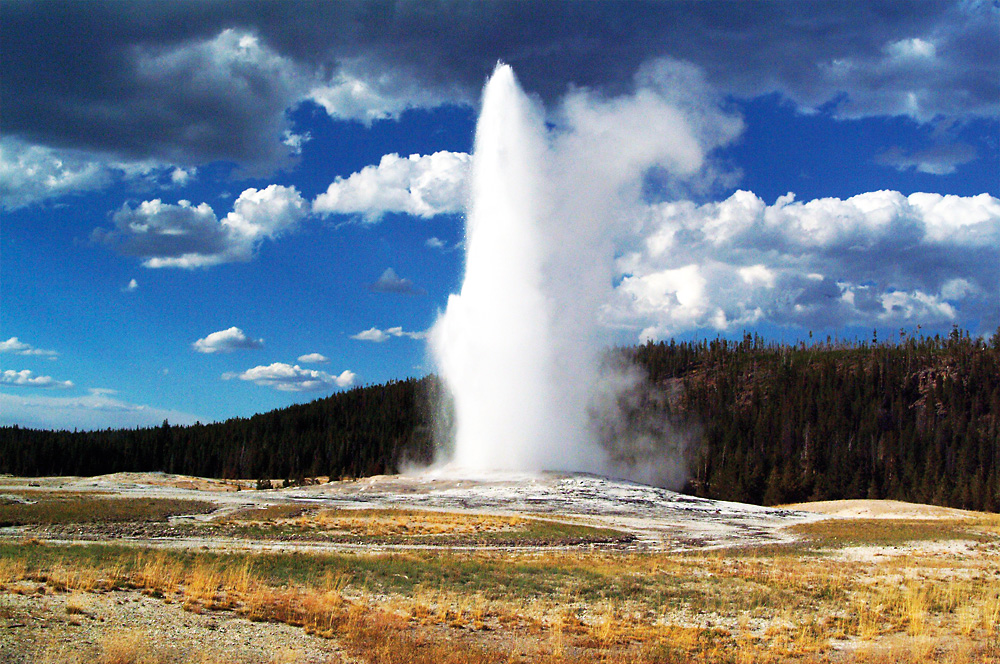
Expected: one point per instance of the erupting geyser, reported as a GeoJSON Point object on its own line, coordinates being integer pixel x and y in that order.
{"type": "Point", "coordinates": [520, 348]}
{"type": "Point", "coordinates": [519, 362]}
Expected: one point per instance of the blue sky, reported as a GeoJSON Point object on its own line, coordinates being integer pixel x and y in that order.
{"type": "Point", "coordinates": [215, 209]}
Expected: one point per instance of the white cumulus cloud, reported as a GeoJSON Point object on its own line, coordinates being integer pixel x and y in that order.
{"type": "Point", "coordinates": [371, 334]}
{"type": "Point", "coordinates": [914, 48]}
{"type": "Point", "coordinates": [875, 258]}
{"type": "Point", "coordinates": [181, 176]}
{"type": "Point", "coordinates": [267, 212]}
{"type": "Point", "coordinates": [293, 378]}
{"type": "Point", "coordinates": [420, 185]}
{"type": "Point", "coordinates": [189, 236]}
{"type": "Point", "coordinates": [226, 341]}
{"type": "Point", "coordinates": [26, 378]}
{"type": "Point", "coordinates": [314, 358]}
{"type": "Point", "coordinates": [295, 141]}
{"type": "Point", "coordinates": [31, 173]}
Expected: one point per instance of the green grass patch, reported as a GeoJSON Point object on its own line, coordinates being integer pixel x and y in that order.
{"type": "Point", "coordinates": [267, 513]}
{"type": "Point", "coordinates": [837, 533]}
{"type": "Point", "coordinates": [377, 573]}
{"type": "Point", "coordinates": [84, 509]}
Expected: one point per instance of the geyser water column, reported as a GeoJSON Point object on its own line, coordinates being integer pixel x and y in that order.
{"type": "Point", "coordinates": [511, 368]}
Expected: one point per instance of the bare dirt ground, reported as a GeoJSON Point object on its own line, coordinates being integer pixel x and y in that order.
{"type": "Point", "coordinates": [76, 628]}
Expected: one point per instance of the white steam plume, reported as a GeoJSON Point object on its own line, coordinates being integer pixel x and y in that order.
{"type": "Point", "coordinates": [519, 348]}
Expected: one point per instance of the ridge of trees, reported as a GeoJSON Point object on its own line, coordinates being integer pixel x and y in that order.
{"type": "Point", "coordinates": [360, 432]}
{"type": "Point", "coordinates": [916, 419]}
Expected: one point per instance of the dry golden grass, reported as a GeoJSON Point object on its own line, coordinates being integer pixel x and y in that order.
{"type": "Point", "coordinates": [575, 607]}
{"type": "Point", "coordinates": [128, 648]}
{"type": "Point", "coordinates": [377, 523]}
{"type": "Point", "coordinates": [61, 654]}
{"type": "Point", "coordinates": [401, 526]}
{"type": "Point", "coordinates": [11, 571]}
{"type": "Point", "coordinates": [387, 523]}
{"type": "Point", "coordinates": [78, 604]}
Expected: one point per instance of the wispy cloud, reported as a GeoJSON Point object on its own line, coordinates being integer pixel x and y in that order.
{"type": "Point", "coordinates": [15, 345]}
{"type": "Point", "coordinates": [96, 410]}
{"type": "Point", "coordinates": [378, 336]}
{"type": "Point", "coordinates": [941, 159]}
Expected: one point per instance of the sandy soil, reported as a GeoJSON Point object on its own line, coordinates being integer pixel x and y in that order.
{"type": "Point", "coordinates": [879, 509]}
{"type": "Point", "coordinates": [946, 550]}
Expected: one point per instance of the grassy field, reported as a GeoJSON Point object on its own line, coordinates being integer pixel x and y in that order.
{"type": "Point", "coordinates": [861, 591]}
{"type": "Point", "coordinates": [74, 508]}
{"type": "Point", "coordinates": [103, 517]}
{"type": "Point", "coordinates": [402, 526]}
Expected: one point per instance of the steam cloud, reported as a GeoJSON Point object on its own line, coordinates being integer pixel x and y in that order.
{"type": "Point", "coordinates": [519, 348]}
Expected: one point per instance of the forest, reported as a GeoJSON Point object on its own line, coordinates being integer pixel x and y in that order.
{"type": "Point", "coordinates": [915, 420]}
{"type": "Point", "coordinates": [912, 419]}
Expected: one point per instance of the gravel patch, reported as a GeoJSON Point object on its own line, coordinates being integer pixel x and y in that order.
{"type": "Point", "coordinates": [74, 628]}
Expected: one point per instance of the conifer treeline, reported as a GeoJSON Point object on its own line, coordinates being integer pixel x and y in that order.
{"type": "Point", "coordinates": [917, 420]}
{"type": "Point", "coordinates": [360, 432]}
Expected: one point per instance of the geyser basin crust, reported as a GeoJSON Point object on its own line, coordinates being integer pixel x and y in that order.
{"type": "Point", "coordinates": [658, 517]}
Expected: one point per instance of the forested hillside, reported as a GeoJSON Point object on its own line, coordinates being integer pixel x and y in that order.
{"type": "Point", "coordinates": [917, 419]}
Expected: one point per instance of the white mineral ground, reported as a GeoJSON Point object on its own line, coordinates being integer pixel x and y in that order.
{"type": "Point", "coordinates": [658, 518]}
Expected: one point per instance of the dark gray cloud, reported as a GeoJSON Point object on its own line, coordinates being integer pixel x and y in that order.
{"type": "Point", "coordinates": [156, 229]}
{"type": "Point", "coordinates": [183, 99]}
{"type": "Point", "coordinates": [180, 82]}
